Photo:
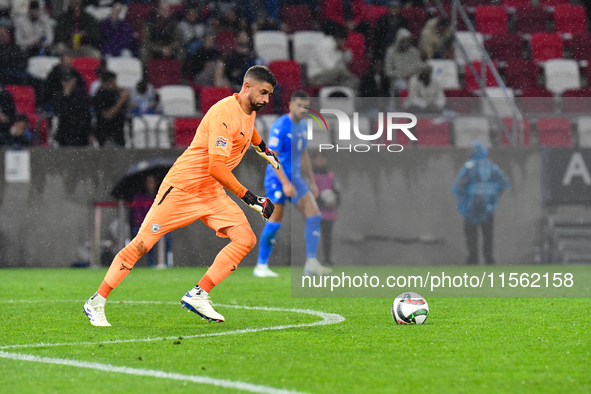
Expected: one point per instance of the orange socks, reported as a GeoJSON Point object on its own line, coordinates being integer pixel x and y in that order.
{"type": "Point", "coordinates": [206, 283]}
{"type": "Point", "coordinates": [104, 290]}
{"type": "Point", "coordinates": [122, 264]}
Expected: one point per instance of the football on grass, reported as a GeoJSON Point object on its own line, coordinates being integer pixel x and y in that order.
{"type": "Point", "coordinates": [410, 308]}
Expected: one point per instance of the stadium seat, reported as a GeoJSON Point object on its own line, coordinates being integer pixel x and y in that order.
{"type": "Point", "coordinates": [576, 101]}
{"type": "Point", "coordinates": [503, 102]}
{"type": "Point", "coordinates": [569, 19]}
{"type": "Point", "coordinates": [553, 3]}
{"type": "Point", "coordinates": [529, 20]}
{"type": "Point", "coordinates": [416, 17]}
{"type": "Point", "coordinates": [536, 100]}
{"type": "Point", "coordinates": [429, 133]}
{"type": "Point", "coordinates": [356, 44]}
{"type": "Point", "coordinates": [471, 79]}
{"type": "Point", "coordinates": [470, 43]}
{"type": "Point", "coordinates": [150, 131]}
{"type": "Point", "coordinates": [41, 66]}
{"type": "Point", "coordinates": [522, 74]}
{"type": "Point", "coordinates": [24, 98]}
{"type": "Point", "coordinates": [580, 48]}
{"type": "Point", "coordinates": [554, 132]}
{"type": "Point", "coordinates": [226, 41]}
{"type": "Point", "coordinates": [164, 72]}
{"type": "Point", "coordinates": [297, 17]}
{"type": "Point", "coordinates": [337, 97]}
{"type": "Point", "coordinates": [184, 130]}
{"type": "Point", "coordinates": [289, 79]}
{"type": "Point", "coordinates": [128, 69]}
{"type": "Point", "coordinates": [271, 45]}
{"type": "Point", "coordinates": [491, 19]}
{"type": "Point", "coordinates": [460, 100]}
{"type": "Point", "coordinates": [505, 47]}
{"type": "Point", "coordinates": [471, 128]}
{"type": "Point", "coordinates": [373, 12]}
{"type": "Point", "coordinates": [445, 72]}
{"type": "Point", "coordinates": [303, 44]}
{"type": "Point", "coordinates": [177, 100]}
{"type": "Point", "coordinates": [584, 131]}
{"type": "Point", "coordinates": [137, 13]}
{"type": "Point", "coordinates": [210, 95]}
{"type": "Point", "coordinates": [526, 132]}
{"type": "Point", "coordinates": [515, 3]}
{"type": "Point", "coordinates": [87, 66]}
{"type": "Point", "coordinates": [561, 75]}
{"type": "Point", "coordinates": [546, 46]}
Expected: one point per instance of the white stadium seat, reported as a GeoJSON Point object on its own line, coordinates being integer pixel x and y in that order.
{"type": "Point", "coordinates": [470, 128]}
{"type": "Point", "coordinates": [470, 44]}
{"type": "Point", "coordinates": [128, 69]}
{"type": "Point", "coordinates": [41, 66]}
{"type": "Point", "coordinates": [271, 45]}
{"type": "Point", "coordinates": [303, 44]}
{"type": "Point", "coordinates": [150, 131]}
{"type": "Point", "coordinates": [445, 72]}
{"type": "Point", "coordinates": [584, 128]}
{"type": "Point", "coordinates": [503, 103]}
{"type": "Point", "coordinates": [177, 100]}
{"type": "Point", "coordinates": [561, 75]}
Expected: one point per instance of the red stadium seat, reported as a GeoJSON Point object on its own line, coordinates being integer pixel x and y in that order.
{"type": "Point", "coordinates": [297, 17]}
{"type": "Point", "coordinates": [554, 132]}
{"type": "Point", "coordinates": [373, 13]}
{"type": "Point", "coordinates": [287, 72]}
{"type": "Point", "coordinates": [491, 19]}
{"type": "Point", "coordinates": [516, 3]}
{"type": "Point", "coordinates": [536, 100]}
{"type": "Point", "coordinates": [529, 20]}
{"type": "Point", "coordinates": [164, 72]}
{"type": "Point", "coordinates": [226, 41]}
{"type": "Point", "coordinates": [522, 74]}
{"type": "Point", "coordinates": [472, 83]}
{"type": "Point", "coordinates": [505, 47]}
{"type": "Point", "coordinates": [184, 130]}
{"type": "Point", "coordinates": [416, 17]}
{"type": "Point", "coordinates": [24, 98]}
{"type": "Point", "coordinates": [431, 134]}
{"type": "Point", "coordinates": [580, 47]}
{"type": "Point", "coordinates": [356, 43]}
{"type": "Point", "coordinates": [553, 3]}
{"type": "Point", "coordinates": [136, 15]}
{"type": "Point", "coordinates": [211, 95]}
{"type": "Point", "coordinates": [576, 100]}
{"type": "Point", "coordinates": [87, 67]}
{"type": "Point", "coordinates": [545, 46]}
{"type": "Point", "coordinates": [526, 132]}
{"type": "Point", "coordinates": [569, 19]}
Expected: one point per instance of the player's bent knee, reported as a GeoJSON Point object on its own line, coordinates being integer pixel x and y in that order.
{"type": "Point", "coordinates": [243, 235]}
{"type": "Point", "coordinates": [138, 247]}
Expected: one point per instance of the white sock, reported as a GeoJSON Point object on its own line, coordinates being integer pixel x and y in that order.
{"type": "Point", "coordinates": [97, 299]}
{"type": "Point", "coordinates": [197, 291]}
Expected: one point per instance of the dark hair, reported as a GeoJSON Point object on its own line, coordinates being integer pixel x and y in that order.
{"type": "Point", "coordinates": [34, 5]}
{"type": "Point", "coordinates": [299, 94]}
{"type": "Point", "coordinates": [21, 118]}
{"type": "Point", "coordinates": [261, 74]}
{"type": "Point", "coordinates": [108, 76]}
{"type": "Point", "coordinates": [443, 22]}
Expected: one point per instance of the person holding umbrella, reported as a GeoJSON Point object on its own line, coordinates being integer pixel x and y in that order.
{"type": "Point", "coordinates": [194, 189]}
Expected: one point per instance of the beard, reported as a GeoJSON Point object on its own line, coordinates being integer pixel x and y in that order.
{"type": "Point", "coordinates": [257, 107]}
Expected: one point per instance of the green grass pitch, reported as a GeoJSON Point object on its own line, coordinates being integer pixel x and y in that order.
{"type": "Point", "coordinates": [466, 346]}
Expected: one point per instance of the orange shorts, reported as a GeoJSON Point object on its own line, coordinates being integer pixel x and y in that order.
{"type": "Point", "coordinates": [174, 208]}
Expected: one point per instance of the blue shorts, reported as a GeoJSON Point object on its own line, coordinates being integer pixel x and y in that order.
{"type": "Point", "coordinates": [275, 190]}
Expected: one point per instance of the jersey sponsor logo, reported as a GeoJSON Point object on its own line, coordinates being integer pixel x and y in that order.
{"type": "Point", "coordinates": [155, 228]}
{"type": "Point", "coordinates": [221, 142]}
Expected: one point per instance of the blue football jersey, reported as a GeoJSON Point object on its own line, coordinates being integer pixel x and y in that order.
{"type": "Point", "coordinates": [289, 139]}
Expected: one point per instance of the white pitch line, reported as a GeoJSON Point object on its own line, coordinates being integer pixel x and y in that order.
{"type": "Point", "coordinates": [253, 388]}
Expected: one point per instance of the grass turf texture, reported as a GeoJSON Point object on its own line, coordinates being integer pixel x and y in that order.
{"type": "Point", "coordinates": [466, 345]}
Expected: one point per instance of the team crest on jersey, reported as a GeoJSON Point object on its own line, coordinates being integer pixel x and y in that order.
{"type": "Point", "coordinates": [221, 142]}
{"type": "Point", "coordinates": [155, 228]}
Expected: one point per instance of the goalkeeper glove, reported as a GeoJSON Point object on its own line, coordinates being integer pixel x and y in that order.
{"type": "Point", "coordinates": [260, 204]}
{"type": "Point", "coordinates": [267, 154]}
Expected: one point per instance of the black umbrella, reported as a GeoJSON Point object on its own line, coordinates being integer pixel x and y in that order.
{"type": "Point", "coordinates": [134, 180]}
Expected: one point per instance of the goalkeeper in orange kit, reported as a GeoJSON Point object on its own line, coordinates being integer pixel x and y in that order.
{"type": "Point", "coordinates": [194, 189]}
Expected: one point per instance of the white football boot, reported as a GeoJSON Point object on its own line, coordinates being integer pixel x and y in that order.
{"type": "Point", "coordinates": [95, 311]}
{"type": "Point", "coordinates": [313, 267]}
{"type": "Point", "coordinates": [197, 301]}
{"type": "Point", "coordinates": [263, 271]}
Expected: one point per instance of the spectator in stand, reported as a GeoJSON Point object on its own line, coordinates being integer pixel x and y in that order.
{"type": "Point", "coordinates": [20, 133]}
{"type": "Point", "coordinates": [402, 61]}
{"type": "Point", "coordinates": [71, 107]}
{"type": "Point", "coordinates": [328, 63]}
{"type": "Point", "coordinates": [34, 31]}
{"type": "Point", "coordinates": [348, 13]}
{"type": "Point", "coordinates": [437, 38]}
{"type": "Point", "coordinates": [387, 27]}
{"type": "Point", "coordinates": [13, 63]}
{"type": "Point", "coordinates": [161, 38]}
{"type": "Point", "coordinates": [79, 31]}
{"type": "Point", "coordinates": [207, 65]}
{"type": "Point", "coordinates": [239, 60]}
{"type": "Point", "coordinates": [328, 201]}
{"type": "Point", "coordinates": [53, 83]}
{"type": "Point", "coordinates": [375, 83]}
{"type": "Point", "coordinates": [424, 93]}
{"type": "Point", "coordinates": [7, 114]}
{"type": "Point", "coordinates": [192, 31]}
{"type": "Point", "coordinates": [110, 104]}
{"type": "Point", "coordinates": [116, 34]}
{"type": "Point", "coordinates": [143, 99]}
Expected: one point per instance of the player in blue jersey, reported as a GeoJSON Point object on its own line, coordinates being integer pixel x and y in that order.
{"type": "Point", "coordinates": [288, 138]}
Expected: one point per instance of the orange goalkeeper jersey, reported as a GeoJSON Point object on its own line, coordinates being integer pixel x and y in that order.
{"type": "Point", "coordinates": [225, 130]}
